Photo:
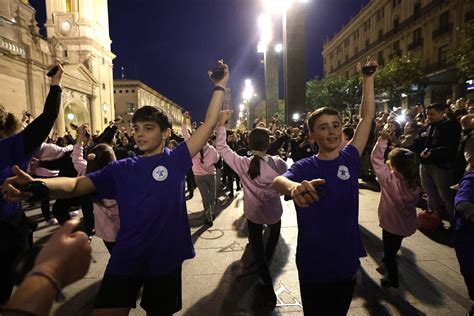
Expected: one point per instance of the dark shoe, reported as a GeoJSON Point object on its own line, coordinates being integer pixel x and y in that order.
{"type": "Point", "coordinates": [264, 299]}
{"type": "Point", "coordinates": [238, 189]}
{"type": "Point", "coordinates": [231, 195]}
{"type": "Point", "coordinates": [471, 311]}
{"type": "Point", "coordinates": [389, 287]}
{"type": "Point", "coordinates": [209, 222]}
{"type": "Point", "coordinates": [189, 197]}
{"type": "Point", "coordinates": [381, 269]}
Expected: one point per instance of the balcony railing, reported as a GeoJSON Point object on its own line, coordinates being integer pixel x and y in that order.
{"type": "Point", "coordinates": [415, 44]}
{"type": "Point", "coordinates": [443, 30]}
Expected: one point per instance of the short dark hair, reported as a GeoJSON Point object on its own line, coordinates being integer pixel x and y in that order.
{"type": "Point", "coordinates": [150, 113]}
{"type": "Point", "coordinates": [349, 131]}
{"type": "Point", "coordinates": [440, 107]}
{"type": "Point", "coordinates": [320, 112]}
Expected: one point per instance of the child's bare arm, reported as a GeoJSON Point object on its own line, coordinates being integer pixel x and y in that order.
{"type": "Point", "coordinates": [58, 187]}
{"type": "Point", "coordinates": [199, 138]}
{"type": "Point", "coordinates": [367, 110]}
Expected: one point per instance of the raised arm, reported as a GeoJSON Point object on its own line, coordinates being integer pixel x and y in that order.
{"type": "Point", "coordinates": [202, 134]}
{"type": "Point", "coordinates": [367, 110]}
{"type": "Point", "coordinates": [184, 127]}
{"type": "Point", "coordinates": [37, 131]}
{"type": "Point", "coordinates": [228, 155]}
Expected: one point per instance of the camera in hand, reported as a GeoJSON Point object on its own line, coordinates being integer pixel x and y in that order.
{"type": "Point", "coordinates": [53, 71]}
{"type": "Point", "coordinates": [75, 127]}
{"type": "Point", "coordinates": [39, 189]}
{"type": "Point", "coordinates": [217, 73]}
{"type": "Point", "coordinates": [369, 70]}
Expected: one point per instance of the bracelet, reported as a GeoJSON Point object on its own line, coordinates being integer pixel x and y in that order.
{"type": "Point", "coordinates": [218, 88]}
{"type": "Point", "coordinates": [16, 311]}
{"type": "Point", "coordinates": [60, 297]}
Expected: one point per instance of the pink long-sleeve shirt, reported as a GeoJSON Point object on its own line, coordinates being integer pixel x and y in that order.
{"type": "Point", "coordinates": [262, 204]}
{"type": "Point", "coordinates": [210, 157]}
{"type": "Point", "coordinates": [48, 152]}
{"type": "Point", "coordinates": [397, 207]}
{"type": "Point", "coordinates": [106, 216]}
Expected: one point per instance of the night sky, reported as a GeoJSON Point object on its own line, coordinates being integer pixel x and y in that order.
{"type": "Point", "coordinates": [170, 44]}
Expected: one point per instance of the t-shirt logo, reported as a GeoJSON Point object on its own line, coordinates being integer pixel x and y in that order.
{"type": "Point", "coordinates": [160, 173]}
{"type": "Point", "coordinates": [343, 173]}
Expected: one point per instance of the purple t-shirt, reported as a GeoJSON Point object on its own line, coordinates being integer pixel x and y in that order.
{"type": "Point", "coordinates": [12, 152]}
{"type": "Point", "coordinates": [329, 243]}
{"type": "Point", "coordinates": [464, 230]}
{"type": "Point", "coordinates": [154, 237]}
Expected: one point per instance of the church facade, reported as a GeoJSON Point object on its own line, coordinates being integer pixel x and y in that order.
{"type": "Point", "coordinates": [77, 37]}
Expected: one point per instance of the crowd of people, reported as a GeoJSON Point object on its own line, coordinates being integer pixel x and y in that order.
{"type": "Point", "coordinates": [131, 183]}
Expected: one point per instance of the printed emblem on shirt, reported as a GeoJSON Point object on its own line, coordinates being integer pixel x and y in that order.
{"type": "Point", "coordinates": [160, 173]}
{"type": "Point", "coordinates": [343, 173]}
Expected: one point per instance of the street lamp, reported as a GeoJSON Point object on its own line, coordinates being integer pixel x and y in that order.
{"type": "Point", "coordinates": [278, 48]}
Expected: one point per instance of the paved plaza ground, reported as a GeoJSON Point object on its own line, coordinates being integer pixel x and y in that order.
{"type": "Point", "coordinates": [213, 285]}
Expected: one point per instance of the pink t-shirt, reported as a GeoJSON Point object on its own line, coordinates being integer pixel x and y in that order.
{"type": "Point", "coordinates": [397, 207]}
{"type": "Point", "coordinates": [262, 204]}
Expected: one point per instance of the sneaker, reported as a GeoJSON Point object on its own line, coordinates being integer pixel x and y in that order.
{"type": "Point", "coordinates": [389, 288]}
{"type": "Point", "coordinates": [52, 221]}
{"type": "Point", "coordinates": [73, 213]}
{"type": "Point", "coordinates": [264, 299]}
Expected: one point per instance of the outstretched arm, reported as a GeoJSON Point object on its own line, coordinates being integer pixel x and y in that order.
{"type": "Point", "coordinates": [367, 110]}
{"type": "Point", "coordinates": [58, 187]}
{"type": "Point", "coordinates": [202, 134]}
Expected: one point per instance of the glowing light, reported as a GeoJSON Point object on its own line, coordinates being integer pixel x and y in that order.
{"type": "Point", "coordinates": [248, 82]}
{"type": "Point", "coordinates": [241, 114]}
{"type": "Point", "coordinates": [279, 48]}
{"type": "Point", "coordinates": [70, 116]}
{"type": "Point", "coordinates": [241, 107]}
{"type": "Point", "coordinates": [296, 117]}
{"type": "Point", "coordinates": [277, 6]}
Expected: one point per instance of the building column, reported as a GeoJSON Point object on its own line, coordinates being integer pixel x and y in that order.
{"type": "Point", "coordinates": [294, 60]}
{"type": "Point", "coordinates": [95, 109]}
{"type": "Point", "coordinates": [60, 123]}
{"type": "Point", "coordinates": [271, 83]}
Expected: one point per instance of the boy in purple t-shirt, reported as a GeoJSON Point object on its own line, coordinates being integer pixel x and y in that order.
{"type": "Point", "coordinates": [324, 188]}
{"type": "Point", "coordinates": [154, 238]}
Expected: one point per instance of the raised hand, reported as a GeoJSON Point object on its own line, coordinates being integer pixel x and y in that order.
{"type": "Point", "coordinates": [369, 68]}
{"type": "Point", "coordinates": [10, 188]}
{"type": "Point", "coordinates": [66, 256]}
{"type": "Point", "coordinates": [224, 117]}
{"type": "Point", "coordinates": [56, 79]}
{"type": "Point", "coordinates": [222, 82]}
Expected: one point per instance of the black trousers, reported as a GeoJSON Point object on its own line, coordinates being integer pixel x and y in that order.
{"type": "Point", "coordinates": [391, 245]}
{"type": "Point", "coordinates": [190, 182]}
{"type": "Point", "coordinates": [327, 298]}
{"type": "Point", "coordinates": [262, 253]}
{"type": "Point", "coordinates": [62, 206]}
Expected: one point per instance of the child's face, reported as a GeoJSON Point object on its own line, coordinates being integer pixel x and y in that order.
{"type": "Point", "coordinates": [148, 136]}
{"type": "Point", "coordinates": [327, 132]}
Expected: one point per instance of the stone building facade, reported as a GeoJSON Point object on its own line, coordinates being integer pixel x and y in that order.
{"type": "Point", "coordinates": [78, 37]}
{"type": "Point", "coordinates": [384, 28]}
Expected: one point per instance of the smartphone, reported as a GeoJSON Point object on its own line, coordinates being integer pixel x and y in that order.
{"type": "Point", "coordinates": [53, 71]}
{"type": "Point", "coordinates": [369, 70]}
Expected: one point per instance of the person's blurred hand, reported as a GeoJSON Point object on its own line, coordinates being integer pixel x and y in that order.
{"type": "Point", "coordinates": [66, 256]}
{"type": "Point", "coordinates": [10, 188]}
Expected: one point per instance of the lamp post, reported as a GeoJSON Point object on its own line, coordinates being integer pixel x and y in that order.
{"type": "Point", "coordinates": [294, 53]}
{"type": "Point", "coordinates": [247, 94]}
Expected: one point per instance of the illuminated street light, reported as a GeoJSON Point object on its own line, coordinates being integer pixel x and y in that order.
{"type": "Point", "coordinates": [296, 117]}
{"type": "Point", "coordinates": [277, 6]}
{"type": "Point", "coordinates": [241, 114]}
{"type": "Point", "coordinates": [241, 107]}
{"type": "Point", "coordinates": [279, 48]}
{"type": "Point", "coordinates": [248, 82]}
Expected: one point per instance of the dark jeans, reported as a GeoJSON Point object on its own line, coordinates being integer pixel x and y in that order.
{"type": "Point", "coordinates": [263, 254]}
{"type": "Point", "coordinates": [190, 182]}
{"type": "Point", "coordinates": [327, 298]}
{"type": "Point", "coordinates": [45, 209]}
{"type": "Point", "coordinates": [62, 206]}
{"type": "Point", "coordinates": [391, 245]}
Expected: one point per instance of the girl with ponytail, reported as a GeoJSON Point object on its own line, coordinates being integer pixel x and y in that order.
{"type": "Point", "coordinates": [262, 205]}
{"type": "Point", "coordinates": [400, 183]}
{"type": "Point", "coordinates": [204, 173]}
